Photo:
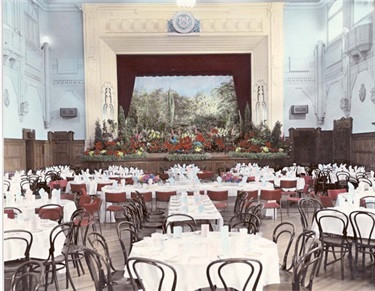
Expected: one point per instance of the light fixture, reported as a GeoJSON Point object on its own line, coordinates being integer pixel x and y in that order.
{"type": "Point", "coordinates": [186, 3]}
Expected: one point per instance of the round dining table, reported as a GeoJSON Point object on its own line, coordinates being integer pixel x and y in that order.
{"type": "Point", "coordinates": [13, 250]}
{"type": "Point", "coordinates": [191, 252]}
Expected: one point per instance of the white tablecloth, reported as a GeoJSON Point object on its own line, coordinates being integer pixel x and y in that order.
{"type": "Point", "coordinates": [40, 246]}
{"type": "Point", "coordinates": [28, 207]}
{"type": "Point", "coordinates": [231, 187]}
{"type": "Point", "coordinates": [335, 226]}
{"type": "Point", "coordinates": [209, 210]}
{"type": "Point", "coordinates": [345, 198]}
{"type": "Point", "coordinates": [191, 254]}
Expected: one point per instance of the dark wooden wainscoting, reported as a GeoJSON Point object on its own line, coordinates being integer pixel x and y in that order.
{"type": "Point", "coordinates": [363, 149]}
{"type": "Point", "coordinates": [28, 153]}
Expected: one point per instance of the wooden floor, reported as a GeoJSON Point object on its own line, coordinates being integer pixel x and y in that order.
{"type": "Point", "coordinates": [329, 280]}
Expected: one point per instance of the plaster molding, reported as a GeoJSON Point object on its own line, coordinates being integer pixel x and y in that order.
{"type": "Point", "coordinates": [57, 82]}
{"type": "Point", "coordinates": [111, 29]}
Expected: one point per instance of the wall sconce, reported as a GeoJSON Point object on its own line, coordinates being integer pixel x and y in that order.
{"type": "Point", "coordinates": [23, 110]}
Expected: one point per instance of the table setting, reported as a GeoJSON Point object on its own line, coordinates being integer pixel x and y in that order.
{"type": "Point", "coordinates": [190, 253]}
{"type": "Point", "coordinates": [39, 228]}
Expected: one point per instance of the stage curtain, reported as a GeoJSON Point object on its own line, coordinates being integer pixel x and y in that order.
{"type": "Point", "coordinates": [131, 66]}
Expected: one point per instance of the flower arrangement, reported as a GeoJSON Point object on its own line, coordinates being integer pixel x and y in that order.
{"type": "Point", "coordinates": [229, 177]}
{"type": "Point", "coordinates": [147, 178]}
{"type": "Point", "coordinates": [192, 144]}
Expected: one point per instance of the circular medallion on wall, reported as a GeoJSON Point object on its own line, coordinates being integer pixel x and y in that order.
{"type": "Point", "coordinates": [183, 22]}
{"type": "Point", "coordinates": [362, 92]}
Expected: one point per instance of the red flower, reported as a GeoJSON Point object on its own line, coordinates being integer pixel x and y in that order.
{"type": "Point", "coordinates": [99, 146]}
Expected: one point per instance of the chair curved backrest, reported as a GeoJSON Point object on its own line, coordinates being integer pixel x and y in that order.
{"type": "Point", "coordinates": [18, 236]}
{"type": "Point", "coordinates": [307, 207]}
{"type": "Point", "coordinates": [12, 212]}
{"type": "Point", "coordinates": [127, 234]}
{"type": "Point", "coordinates": [100, 245]}
{"type": "Point", "coordinates": [99, 269]}
{"type": "Point", "coordinates": [284, 230]}
{"type": "Point", "coordinates": [363, 223]}
{"type": "Point", "coordinates": [365, 180]}
{"type": "Point", "coordinates": [6, 184]}
{"type": "Point", "coordinates": [82, 220]}
{"type": "Point", "coordinates": [329, 221]}
{"type": "Point", "coordinates": [367, 202]}
{"type": "Point", "coordinates": [99, 186]}
{"type": "Point", "coordinates": [51, 211]}
{"type": "Point", "coordinates": [306, 267]}
{"type": "Point", "coordinates": [178, 219]}
{"type": "Point", "coordinates": [164, 270]}
{"type": "Point", "coordinates": [245, 220]}
{"type": "Point", "coordinates": [239, 202]}
{"type": "Point", "coordinates": [28, 276]}
{"type": "Point", "coordinates": [342, 179]}
{"type": "Point", "coordinates": [250, 269]}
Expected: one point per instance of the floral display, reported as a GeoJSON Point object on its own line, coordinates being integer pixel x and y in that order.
{"type": "Point", "coordinates": [149, 179]}
{"type": "Point", "coordinates": [230, 177]}
{"type": "Point", "coordinates": [192, 144]}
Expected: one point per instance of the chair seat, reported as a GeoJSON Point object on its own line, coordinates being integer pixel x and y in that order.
{"type": "Point", "coordinates": [294, 199]}
{"type": "Point", "coordinates": [114, 208]}
{"type": "Point", "coordinates": [12, 266]}
{"type": "Point", "coordinates": [271, 205]}
{"type": "Point", "coordinates": [220, 205]}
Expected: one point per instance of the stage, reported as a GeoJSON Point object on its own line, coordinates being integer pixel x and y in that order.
{"type": "Point", "coordinates": [157, 163]}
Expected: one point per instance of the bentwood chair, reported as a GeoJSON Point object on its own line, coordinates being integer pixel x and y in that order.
{"type": "Point", "coordinates": [251, 270]}
{"type": "Point", "coordinates": [28, 276]}
{"type": "Point", "coordinates": [338, 244]}
{"type": "Point", "coordinates": [363, 223]}
{"type": "Point", "coordinates": [162, 270]}
{"type": "Point", "coordinates": [307, 207]}
{"type": "Point", "coordinates": [180, 219]}
{"type": "Point", "coordinates": [51, 211]}
{"type": "Point", "coordinates": [101, 273]}
{"type": "Point", "coordinates": [21, 238]}
{"type": "Point", "coordinates": [127, 234]}
{"type": "Point", "coordinates": [306, 259]}
{"type": "Point", "coordinates": [55, 263]}
{"type": "Point", "coordinates": [99, 244]}
{"type": "Point", "coordinates": [248, 221]}
{"type": "Point", "coordinates": [284, 231]}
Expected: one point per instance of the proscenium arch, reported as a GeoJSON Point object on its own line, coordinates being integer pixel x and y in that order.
{"type": "Point", "coordinates": [237, 65]}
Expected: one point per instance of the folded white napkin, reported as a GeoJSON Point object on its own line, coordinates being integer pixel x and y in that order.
{"type": "Point", "coordinates": [350, 187]}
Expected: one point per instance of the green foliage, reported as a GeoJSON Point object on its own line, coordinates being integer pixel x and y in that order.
{"type": "Point", "coordinates": [247, 119]}
{"type": "Point", "coordinates": [121, 122]}
{"type": "Point", "coordinates": [187, 157]}
{"type": "Point", "coordinates": [259, 156]}
{"type": "Point", "coordinates": [98, 132]}
{"type": "Point", "coordinates": [275, 137]}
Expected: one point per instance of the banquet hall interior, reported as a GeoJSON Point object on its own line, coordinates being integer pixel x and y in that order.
{"type": "Point", "coordinates": [187, 132]}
